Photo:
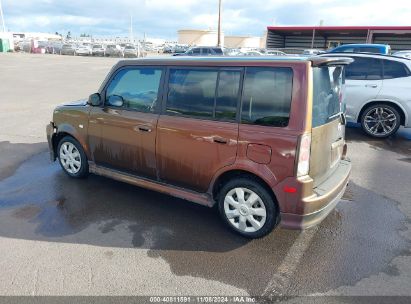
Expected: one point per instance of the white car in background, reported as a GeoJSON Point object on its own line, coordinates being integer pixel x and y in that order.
{"type": "Point", "coordinates": [83, 50]}
{"type": "Point", "coordinates": [377, 92]}
{"type": "Point", "coordinates": [405, 54]}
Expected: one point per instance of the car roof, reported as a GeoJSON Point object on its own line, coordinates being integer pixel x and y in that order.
{"type": "Point", "coordinates": [374, 55]}
{"type": "Point", "coordinates": [209, 60]}
{"type": "Point", "coordinates": [364, 45]}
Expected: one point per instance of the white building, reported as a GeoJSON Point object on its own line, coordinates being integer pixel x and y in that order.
{"type": "Point", "coordinates": [7, 40]}
{"type": "Point", "coordinates": [244, 42]}
{"type": "Point", "coordinates": [199, 37]}
{"type": "Point", "coordinates": [19, 36]}
{"type": "Point", "coordinates": [209, 38]}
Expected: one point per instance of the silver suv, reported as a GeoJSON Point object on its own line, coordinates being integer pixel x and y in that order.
{"type": "Point", "coordinates": [378, 92]}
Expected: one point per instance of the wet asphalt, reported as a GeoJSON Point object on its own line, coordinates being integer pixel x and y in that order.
{"type": "Point", "coordinates": [355, 250]}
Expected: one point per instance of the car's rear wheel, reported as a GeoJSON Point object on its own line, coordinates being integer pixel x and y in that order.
{"type": "Point", "coordinates": [247, 207]}
{"type": "Point", "coordinates": [72, 158]}
{"type": "Point", "coordinates": [380, 120]}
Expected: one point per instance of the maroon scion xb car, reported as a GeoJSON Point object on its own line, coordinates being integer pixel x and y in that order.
{"type": "Point", "coordinates": [261, 138]}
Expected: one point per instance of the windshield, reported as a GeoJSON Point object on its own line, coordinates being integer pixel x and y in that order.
{"type": "Point", "coordinates": [327, 94]}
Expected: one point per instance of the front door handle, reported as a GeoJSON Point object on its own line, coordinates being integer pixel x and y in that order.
{"type": "Point", "coordinates": [144, 128]}
{"type": "Point", "coordinates": [220, 140]}
{"type": "Point", "coordinates": [371, 85]}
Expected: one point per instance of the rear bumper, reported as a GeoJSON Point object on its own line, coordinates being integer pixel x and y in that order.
{"type": "Point", "coordinates": [313, 208]}
{"type": "Point", "coordinates": [50, 130]}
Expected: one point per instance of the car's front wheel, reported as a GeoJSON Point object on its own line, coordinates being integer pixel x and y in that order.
{"type": "Point", "coordinates": [72, 158]}
{"type": "Point", "coordinates": [247, 207]}
{"type": "Point", "coordinates": [380, 120]}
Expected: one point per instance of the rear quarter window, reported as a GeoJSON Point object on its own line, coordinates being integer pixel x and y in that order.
{"type": "Point", "coordinates": [267, 94]}
{"type": "Point", "coordinates": [395, 69]}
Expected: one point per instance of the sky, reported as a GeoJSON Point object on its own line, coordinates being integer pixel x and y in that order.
{"type": "Point", "coordinates": [163, 18]}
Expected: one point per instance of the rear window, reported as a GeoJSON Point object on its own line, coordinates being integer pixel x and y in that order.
{"type": "Point", "coordinates": [267, 96]}
{"type": "Point", "coordinates": [327, 82]}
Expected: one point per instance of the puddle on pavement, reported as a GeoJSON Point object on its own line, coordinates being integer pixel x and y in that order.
{"type": "Point", "coordinates": [357, 239]}
{"type": "Point", "coordinates": [397, 143]}
{"type": "Point", "coordinates": [26, 212]}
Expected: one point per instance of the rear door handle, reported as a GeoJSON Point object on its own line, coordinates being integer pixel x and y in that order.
{"type": "Point", "coordinates": [144, 128]}
{"type": "Point", "coordinates": [371, 85]}
{"type": "Point", "coordinates": [220, 140]}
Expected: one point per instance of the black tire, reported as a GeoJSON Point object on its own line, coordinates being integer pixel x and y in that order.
{"type": "Point", "coordinates": [83, 171]}
{"type": "Point", "coordinates": [388, 110]}
{"type": "Point", "coordinates": [272, 213]}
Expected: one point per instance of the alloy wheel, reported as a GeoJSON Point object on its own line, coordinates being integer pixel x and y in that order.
{"type": "Point", "coordinates": [380, 121]}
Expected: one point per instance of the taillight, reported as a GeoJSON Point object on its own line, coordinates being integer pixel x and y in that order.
{"type": "Point", "coordinates": [303, 165]}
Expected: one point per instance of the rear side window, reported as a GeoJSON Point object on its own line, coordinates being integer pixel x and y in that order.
{"type": "Point", "coordinates": [395, 69]}
{"type": "Point", "coordinates": [368, 50]}
{"type": "Point", "coordinates": [137, 86]}
{"type": "Point", "coordinates": [217, 51]}
{"type": "Point", "coordinates": [209, 94]}
{"type": "Point", "coordinates": [327, 82]}
{"type": "Point", "coordinates": [267, 96]}
{"type": "Point", "coordinates": [364, 69]}
{"type": "Point", "coordinates": [347, 50]}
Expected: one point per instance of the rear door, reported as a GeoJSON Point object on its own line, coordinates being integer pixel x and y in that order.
{"type": "Point", "coordinates": [397, 82]}
{"type": "Point", "coordinates": [363, 81]}
{"type": "Point", "coordinates": [328, 130]}
{"type": "Point", "coordinates": [197, 133]}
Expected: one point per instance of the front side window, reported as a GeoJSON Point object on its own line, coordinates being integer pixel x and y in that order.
{"type": "Point", "coordinates": [395, 69]}
{"type": "Point", "coordinates": [209, 94]}
{"type": "Point", "coordinates": [206, 51]}
{"type": "Point", "coordinates": [196, 51]}
{"type": "Point", "coordinates": [138, 88]}
{"type": "Point", "coordinates": [364, 69]}
{"type": "Point", "coordinates": [267, 96]}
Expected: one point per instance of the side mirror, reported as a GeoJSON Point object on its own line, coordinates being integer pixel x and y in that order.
{"type": "Point", "coordinates": [115, 101]}
{"type": "Point", "coordinates": [94, 99]}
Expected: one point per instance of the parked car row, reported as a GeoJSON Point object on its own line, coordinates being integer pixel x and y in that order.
{"type": "Point", "coordinates": [219, 51]}
{"type": "Point", "coordinates": [110, 50]}
{"type": "Point", "coordinates": [84, 49]}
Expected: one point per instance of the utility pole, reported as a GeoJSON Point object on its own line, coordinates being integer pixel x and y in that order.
{"type": "Point", "coordinates": [219, 24]}
{"type": "Point", "coordinates": [2, 17]}
{"type": "Point", "coordinates": [131, 29]}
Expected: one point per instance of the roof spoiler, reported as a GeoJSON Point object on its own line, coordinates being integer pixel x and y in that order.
{"type": "Point", "coordinates": [330, 61]}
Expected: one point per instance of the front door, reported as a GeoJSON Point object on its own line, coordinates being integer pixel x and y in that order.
{"type": "Point", "coordinates": [363, 83]}
{"type": "Point", "coordinates": [198, 132]}
{"type": "Point", "coordinates": [122, 132]}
